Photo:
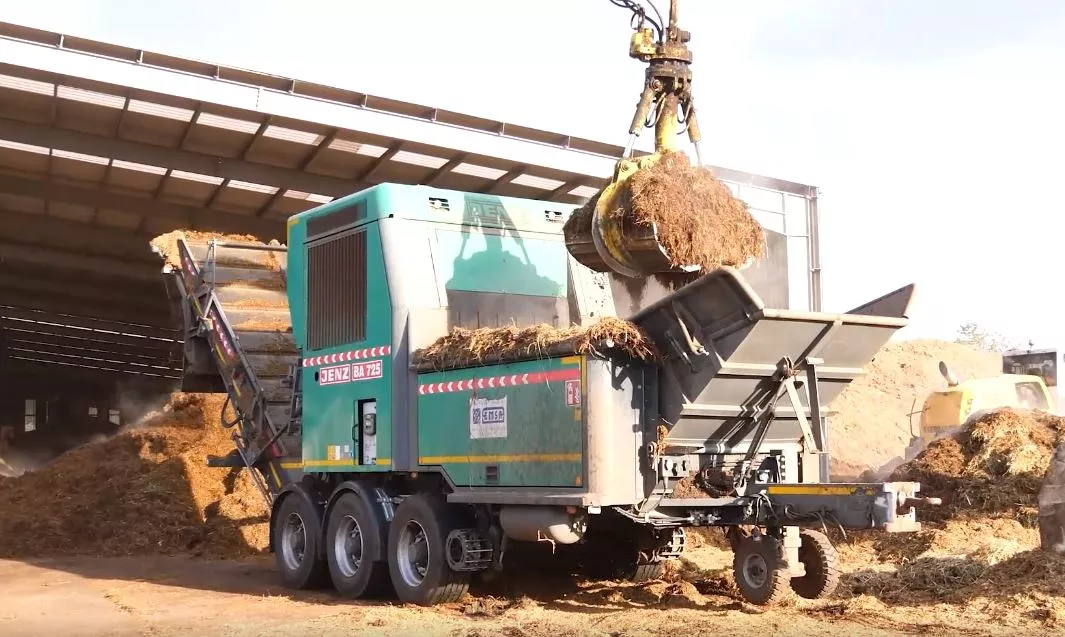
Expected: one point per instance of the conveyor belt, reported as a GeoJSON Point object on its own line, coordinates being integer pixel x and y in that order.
{"type": "Point", "coordinates": [235, 300]}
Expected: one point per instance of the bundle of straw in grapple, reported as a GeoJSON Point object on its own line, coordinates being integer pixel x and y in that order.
{"type": "Point", "coordinates": [463, 347]}
{"type": "Point", "coordinates": [698, 219]}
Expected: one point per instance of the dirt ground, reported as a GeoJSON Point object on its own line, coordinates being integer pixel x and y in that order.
{"type": "Point", "coordinates": [169, 595]}
{"type": "Point", "coordinates": [872, 423]}
{"type": "Point", "coordinates": [178, 595]}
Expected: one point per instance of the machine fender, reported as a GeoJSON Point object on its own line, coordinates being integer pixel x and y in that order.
{"type": "Point", "coordinates": [377, 502]}
{"type": "Point", "coordinates": [302, 491]}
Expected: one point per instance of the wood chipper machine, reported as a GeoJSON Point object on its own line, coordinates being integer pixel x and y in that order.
{"type": "Point", "coordinates": [387, 472]}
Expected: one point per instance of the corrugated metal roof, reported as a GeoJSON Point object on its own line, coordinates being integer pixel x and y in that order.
{"type": "Point", "coordinates": [103, 146]}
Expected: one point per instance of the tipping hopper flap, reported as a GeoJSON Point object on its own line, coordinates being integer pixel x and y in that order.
{"type": "Point", "coordinates": [723, 348]}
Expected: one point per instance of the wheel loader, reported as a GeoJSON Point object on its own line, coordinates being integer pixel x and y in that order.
{"type": "Point", "coordinates": [386, 474]}
{"type": "Point", "coordinates": [946, 411]}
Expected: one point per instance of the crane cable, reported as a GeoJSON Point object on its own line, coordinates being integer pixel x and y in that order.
{"type": "Point", "coordinates": [639, 16]}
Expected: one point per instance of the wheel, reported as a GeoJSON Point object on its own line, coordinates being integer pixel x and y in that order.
{"type": "Point", "coordinates": [296, 535]}
{"type": "Point", "coordinates": [821, 561]}
{"type": "Point", "coordinates": [613, 558]}
{"type": "Point", "coordinates": [628, 552]}
{"type": "Point", "coordinates": [647, 572]}
{"type": "Point", "coordinates": [760, 570]}
{"type": "Point", "coordinates": [416, 558]}
{"type": "Point", "coordinates": [352, 533]}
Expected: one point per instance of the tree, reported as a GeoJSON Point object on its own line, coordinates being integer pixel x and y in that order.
{"type": "Point", "coordinates": [973, 335]}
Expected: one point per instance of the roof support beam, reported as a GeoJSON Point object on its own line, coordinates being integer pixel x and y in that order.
{"type": "Point", "coordinates": [503, 180]}
{"type": "Point", "coordinates": [19, 321]}
{"type": "Point", "coordinates": [90, 280]}
{"type": "Point", "coordinates": [564, 190]}
{"type": "Point", "coordinates": [113, 356]}
{"type": "Point", "coordinates": [177, 159]}
{"type": "Point", "coordinates": [184, 216]}
{"type": "Point", "coordinates": [45, 375]}
{"type": "Point", "coordinates": [50, 231]}
{"type": "Point", "coordinates": [89, 365]}
{"type": "Point", "coordinates": [316, 152]}
{"type": "Point", "coordinates": [442, 171]}
{"type": "Point", "coordinates": [60, 304]}
{"type": "Point", "coordinates": [30, 318]}
{"type": "Point", "coordinates": [48, 258]}
{"type": "Point", "coordinates": [149, 349]}
{"type": "Point", "coordinates": [367, 176]}
{"type": "Point", "coordinates": [77, 291]}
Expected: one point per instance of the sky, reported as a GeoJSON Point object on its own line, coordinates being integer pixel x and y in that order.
{"type": "Point", "coordinates": [935, 130]}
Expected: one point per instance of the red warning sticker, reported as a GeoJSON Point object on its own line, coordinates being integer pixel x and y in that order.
{"type": "Point", "coordinates": [573, 393]}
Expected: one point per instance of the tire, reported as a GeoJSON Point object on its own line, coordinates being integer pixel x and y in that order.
{"type": "Point", "coordinates": [822, 566]}
{"type": "Point", "coordinates": [431, 581]}
{"type": "Point", "coordinates": [352, 532]}
{"type": "Point", "coordinates": [760, 570]}
{"type": "Point", "coordinates": [297, 534]}
{"type": "Point", "coordinates": [624, 555]}
{"type": "Point", "coordinates": [647, 572]}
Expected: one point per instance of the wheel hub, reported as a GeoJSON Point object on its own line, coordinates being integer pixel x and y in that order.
{"type": "Point", "coordinates": [755, 570]}
{"type": "Point", "coordinates": [293, 541]}
{"type": "Point", "coordinates": [413, 554]}
{"type": "Point", "coordinates": [348, 546]}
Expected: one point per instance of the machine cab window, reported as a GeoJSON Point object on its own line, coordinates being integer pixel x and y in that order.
{"type": "Point", "coordinates": [1030, 396]}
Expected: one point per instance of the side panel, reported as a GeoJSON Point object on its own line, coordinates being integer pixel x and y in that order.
{"type": "Point", "coordinates": [338, 379]}
{"type": "Point", "coordinates": [615, 401]}
{"type": "Point", "coordinates": [513, 425]}
{"type": "Point", "coordinates": [295, 285]}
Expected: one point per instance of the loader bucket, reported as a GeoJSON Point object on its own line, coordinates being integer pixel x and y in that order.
{"type": "Point", "coordinates": [605, 239]}
{"type": "Point", "coordinates": [662, 215]}
{"type": "Point", "coordinates": [726, 356]}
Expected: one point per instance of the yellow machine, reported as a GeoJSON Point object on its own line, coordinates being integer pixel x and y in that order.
{"type": "Point", "coordinates": [946, 411]}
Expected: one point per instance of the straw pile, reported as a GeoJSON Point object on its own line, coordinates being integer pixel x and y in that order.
{"type": "Point", "coordinates": [987, 570]}
{"type": "Point", "coordinates": [462, 347]}
{"type": "Point", "coordinates": [146, 490]}
{"type": "Point", "coordinates": [993, 467]}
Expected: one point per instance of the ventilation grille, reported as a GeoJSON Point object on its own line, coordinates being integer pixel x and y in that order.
{"type": "Point", "coordinates": [336, 221]}
{"type": "Point", "coordinates": [336, 292]}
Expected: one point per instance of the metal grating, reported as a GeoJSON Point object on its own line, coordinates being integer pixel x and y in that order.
{"type": "Point", "coordinates": [336, 291]}
{"type": "Point", "coordinates": [335, 221]}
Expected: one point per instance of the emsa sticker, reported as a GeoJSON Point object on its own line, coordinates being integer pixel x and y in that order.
{"type": "Point", "coordinates": [488, 418]}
